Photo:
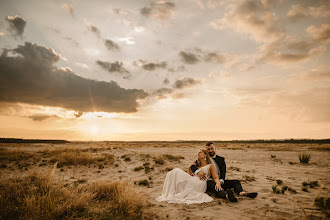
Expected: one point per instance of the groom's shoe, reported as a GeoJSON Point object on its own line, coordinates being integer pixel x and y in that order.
{"type": "Point", "coordinates": [231, 195]}
{"type": "Point", "coordinates": [251, 195]}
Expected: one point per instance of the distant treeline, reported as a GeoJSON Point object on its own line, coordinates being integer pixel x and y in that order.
{"type": "Point", "coordinates": [270, 141]}
{"type": "Point", "coordinates": [17, 140]}
{"type": "Point", "coordinates": [288, 141]}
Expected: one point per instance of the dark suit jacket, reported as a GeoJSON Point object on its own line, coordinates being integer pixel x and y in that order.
{"type": "Point", "coordinates": [220, 161]}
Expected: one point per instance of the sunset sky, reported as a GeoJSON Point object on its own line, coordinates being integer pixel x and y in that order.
{"type": "Point", "coordinates": [164, 70]}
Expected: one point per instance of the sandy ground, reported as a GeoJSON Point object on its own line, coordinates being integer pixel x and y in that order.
{"type": "Point", "coordinates": [258, 166]}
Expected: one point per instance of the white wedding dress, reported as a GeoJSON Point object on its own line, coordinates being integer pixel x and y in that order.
{"type": "Point", "coordinates": [180, 187]}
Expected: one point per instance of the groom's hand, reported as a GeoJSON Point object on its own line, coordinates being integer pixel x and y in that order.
{"type": "Point", "coordinates": [201, 175]}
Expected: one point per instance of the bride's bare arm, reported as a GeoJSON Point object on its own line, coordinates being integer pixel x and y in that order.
{"type": "Point", "coordinates": [215, 177]}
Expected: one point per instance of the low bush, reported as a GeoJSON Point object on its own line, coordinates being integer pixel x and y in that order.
{"type": "Point", "coordinates": [159, 160]}
{"type": "Point", "coordinates": [304, 157]}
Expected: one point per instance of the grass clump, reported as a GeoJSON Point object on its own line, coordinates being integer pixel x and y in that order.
{"type": "Point", "coordinates": [138, 168]}
{"type": "Point", "coordinates": [277, 190]}
{"type": "Point", "coordinates": [126, 157]}
{"type": "Point", "coordinates": [159, 160]}
{"type": "Point", "coordinates": [142, 182]}
{"type": "Point", "coordinates": [311, 184]}
{"type": "Point", "coordinates": [279, 182]}
{"type": "Point", "coordinates": [124, 201]}
{"type": "Point", "coordinates": [35, 197]}
{"type": "Point", "coordinates": [304, 157]}
{"type": "Point", "coordinates": [322, 203]}
{"type": "Point", "coordinates": [247, 178]}
{"type": "Point", "coordinates": [172, 157]}
{"type": "Point", "coordinates": [234, 168]}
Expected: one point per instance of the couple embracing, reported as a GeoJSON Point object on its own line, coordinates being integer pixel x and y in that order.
{"type": "Point", "coordinates": [206, 174]}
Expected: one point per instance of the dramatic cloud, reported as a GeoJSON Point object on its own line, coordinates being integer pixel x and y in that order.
{"type": "Point", "coordinates": [94, 29]}
{"type": "Point", "coordinates": [32, 78]}
{"type": "Point", "coordinates": [68, 8]}
{"type": "Point", "coordinates": [110, 44]}
{"type": "Point", "coordinates": [114, 67]}
{"type": "Point", "coordinates": [188, 57]}
{"type": "Point", "coordinates": [17, 24]}
{"type": "Point", "coordinates": [320, 33]}
{"type": "Point", "coordinates": [186, 83]}
{"type": "Point", "coordinates": [252, 17]}
{"type": "Point", "coordinates": [298, 11]}
{"type": "Point", "coordinates": [160, 10]}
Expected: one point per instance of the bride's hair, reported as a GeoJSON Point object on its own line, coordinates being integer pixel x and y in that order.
{"type": "Point", "coordinates": [207, 158]}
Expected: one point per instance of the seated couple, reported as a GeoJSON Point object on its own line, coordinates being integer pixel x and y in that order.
{"type": "Point", "coordinates": [206, 174]}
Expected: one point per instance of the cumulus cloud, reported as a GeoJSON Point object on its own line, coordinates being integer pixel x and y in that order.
{"type": "Point", "coordinates": [162, 93]}
{"type": "Point", "coordinates": [176, 91]}
{"type": "Point", "coordinates": [289, 50]}
{"type": "Point", "coordinates": [94, 29]}
{"type": "Point", "coordinates": [215, 58]}
{"type": "Point", "coordinates": [68, 8]}
{"type": "Point", "coordinates": [160, 10]}
{"type": "Point", "coordinates": [180, 68]}
{"type": "Point", "coordinates": [111, 45]}
{"type": "Point", "coordinates": [42, 117]}
{"type": "Point", "coordinates": [188, 57]}
{"type": "Point", "coordinates": [31, 77]}
{"type": "Point", "coordinates": [114, 67]}
{"type": "Point", "coordinates": [319, 33]}
{"type": "Point", "coordinates": [17, 24]}
{"type": "Point", "coordinates": [252, 17]}
{"type": "Point", "coordinates": [298, 11]}
{"type": "Point", "coordinates": [149, 65]}
{"type": "Point", "coordinates": [186, 83]}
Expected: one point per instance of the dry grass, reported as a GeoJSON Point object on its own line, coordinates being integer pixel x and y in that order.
{"type": "Point", "coordinates": [16, 155]}
{"type": "Point", "coordinates": [304, 157]}
{"type": "Point", "coordinates": [159, 160]}
{"type": "Point", "coordinates": [35, 197]}
{"type": "Point", "coordinates": [75, 156]}
{"type": "Point", "coordinates": [125, 202]}
{"type": "Point", "coordinates": [39, 196]}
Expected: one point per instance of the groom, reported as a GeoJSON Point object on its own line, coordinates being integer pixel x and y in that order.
{"type": "Point", "coordinates": [227, 185]}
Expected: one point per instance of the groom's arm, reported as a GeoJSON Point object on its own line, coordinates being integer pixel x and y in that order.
{"type": "Point", "coordinates": [194, 168]}
{"type": "Point", "coordinates": [222, 170]}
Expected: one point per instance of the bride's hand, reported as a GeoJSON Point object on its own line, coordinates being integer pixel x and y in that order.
{"type": "Point", "coordinates": [218, 186]}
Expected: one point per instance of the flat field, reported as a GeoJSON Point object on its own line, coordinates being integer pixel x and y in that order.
{"type": "Point", "coordinates": [120, 180]}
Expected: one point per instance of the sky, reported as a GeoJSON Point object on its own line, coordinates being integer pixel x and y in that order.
{"type": "Point", "coordinates": [140, 70]}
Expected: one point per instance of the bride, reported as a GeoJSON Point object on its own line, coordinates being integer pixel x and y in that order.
{"type": "Point", "coordinates": [182, 187]}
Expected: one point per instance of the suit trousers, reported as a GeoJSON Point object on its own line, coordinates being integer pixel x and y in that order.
{"type": "Point", "coordinates": [228, 184]}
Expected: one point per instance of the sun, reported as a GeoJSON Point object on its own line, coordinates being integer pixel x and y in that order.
{"type": "Point", "coordinates": [94, 129]}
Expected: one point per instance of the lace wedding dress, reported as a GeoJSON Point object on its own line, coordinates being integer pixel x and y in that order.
{"type": "Point", "coordinates": [180, 187]}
